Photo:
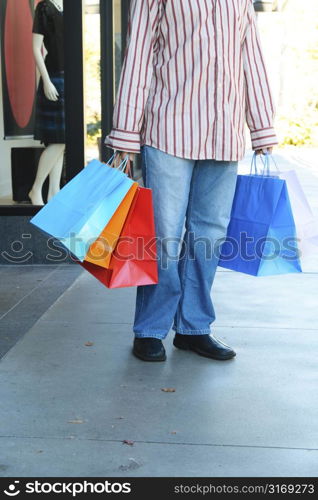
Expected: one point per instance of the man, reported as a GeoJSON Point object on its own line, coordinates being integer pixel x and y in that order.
{"type": "Point", "coordinates": [193, 73]}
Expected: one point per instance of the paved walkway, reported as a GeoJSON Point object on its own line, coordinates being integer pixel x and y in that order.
{"type": "Point", "coordinates": [67, 407]}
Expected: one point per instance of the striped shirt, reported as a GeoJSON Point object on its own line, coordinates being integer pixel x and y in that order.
{"type": "Point", "coordinates": [193, 74]}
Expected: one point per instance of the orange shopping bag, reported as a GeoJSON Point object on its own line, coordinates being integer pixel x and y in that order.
{"type": "Point", "coordinates": [134, 261]}
{"type": "Point", "coordinates": [100, 251]}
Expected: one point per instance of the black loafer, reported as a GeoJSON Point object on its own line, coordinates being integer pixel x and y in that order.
{"type": "Point", "coordinates": [205, 345]}
{"type": "Point", "coordinates": [149, 349]}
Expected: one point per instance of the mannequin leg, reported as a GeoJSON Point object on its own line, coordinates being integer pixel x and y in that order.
{"type": "Point", "coordinates": [55, 176]}
{"type": "Point", "coordinates": [47, 161]}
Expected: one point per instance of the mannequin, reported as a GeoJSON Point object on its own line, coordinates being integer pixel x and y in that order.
{"type": "Point", "coordinates": [51, 160]}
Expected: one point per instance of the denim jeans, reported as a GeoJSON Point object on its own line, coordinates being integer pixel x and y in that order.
{"type": "Point", "coordinates": [192, 205]}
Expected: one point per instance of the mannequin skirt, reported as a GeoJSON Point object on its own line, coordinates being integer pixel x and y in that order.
{"type": "Point", "coordinates": [49, 124]}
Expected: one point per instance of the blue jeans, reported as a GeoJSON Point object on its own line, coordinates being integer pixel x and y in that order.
{"type": "Point", "coordinates": [192, 205]}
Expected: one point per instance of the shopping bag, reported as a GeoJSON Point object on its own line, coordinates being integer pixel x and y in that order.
{"type": "Point", "coordinates": [261, 236]}
{"type": "Point", "coordinates": [305, 221]}
{"type": "Point", "coordinates": [100, 250]}
{"type": "Point", "coordinates": [134, 261]}
{"type": "Point", "coordinates": [78, 213]}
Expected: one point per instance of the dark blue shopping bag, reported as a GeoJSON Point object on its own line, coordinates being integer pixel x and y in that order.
{"type": "Point", "coordinates": [261, 237]}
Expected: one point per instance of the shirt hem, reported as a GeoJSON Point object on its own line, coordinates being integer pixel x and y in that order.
{"type": "Point", "coordinates": [187, 156]}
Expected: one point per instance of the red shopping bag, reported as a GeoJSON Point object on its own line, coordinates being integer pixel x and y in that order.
{"type": "Point", "coordinates": [134, 261]}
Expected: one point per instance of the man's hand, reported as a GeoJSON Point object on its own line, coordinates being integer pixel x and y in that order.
{"type": "Point", "coordinates": [121, 155]}
{"type": "Point", "coordinates": [264, 151]}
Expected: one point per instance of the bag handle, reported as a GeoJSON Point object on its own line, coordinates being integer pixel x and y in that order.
{"type": "Point", "coordinates": [254, 165]}
{"type": "Point", "coordinates": [110, 161]}
{"type": "Point", "coordinates": [266, 164]}
{"type": "Point", "coordinates": [124, 166]}
{"type": "Point", "coordinates": [128, 170]}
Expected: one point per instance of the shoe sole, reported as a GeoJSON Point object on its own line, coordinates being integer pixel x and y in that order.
{"type": "Point", "coordinates": [145, 358]}
{"type": "Point", "coordinates": [202, 353]}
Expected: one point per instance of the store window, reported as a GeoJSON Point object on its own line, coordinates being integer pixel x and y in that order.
{"type": "Point", "coordinates": [48, 111]}
{"type": "Point", "coordinates": [32, 101]}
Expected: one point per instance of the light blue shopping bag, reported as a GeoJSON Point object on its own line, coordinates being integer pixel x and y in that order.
{"type": "Point", "coordinates": [261, 238]}
{"type": "Point", "coordinates": [78, 213]}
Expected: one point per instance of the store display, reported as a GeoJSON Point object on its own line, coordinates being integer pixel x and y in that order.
{"type": "Point", "coordinates": [49, 126]}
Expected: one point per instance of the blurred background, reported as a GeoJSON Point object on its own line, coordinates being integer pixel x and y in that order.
{"type": "Point", "coordinates": [95, 33]}
{"type": "Point", "coordinates": [290, 42]}
{"type": "Point", "coordinates": [289, 32]}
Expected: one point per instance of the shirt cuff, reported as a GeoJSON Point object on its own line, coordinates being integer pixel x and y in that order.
{"type": "Point", "coordinates": [123, 140]}
{"type": "Point", "coordinates": [263, 138]}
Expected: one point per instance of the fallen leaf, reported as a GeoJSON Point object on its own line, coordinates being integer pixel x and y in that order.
{"type": "Point", "coordinates": [76, 421]}
{"type": "Point", "coordinates": [168, 389]}
{"type": "Point", "coordinates": [126, 441]}
{"type": "Point", "coordinates": [89, 343]}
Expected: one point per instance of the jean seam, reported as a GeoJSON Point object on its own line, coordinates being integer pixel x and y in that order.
{"type": "Point", "coordinates": [143, 286]}
{"type": "Point", "coordinates": [141, 299]}
{"type": "Point", "coordinates": [182, 278]}
{"type": "Point", "coordinates": [184, 330]}
{"type": "Point", "coordinates": [149, 331]}
{"type": "Point", "coordinates": [145, 166]}
{"type": "Point", "coordinates": [147, 336]}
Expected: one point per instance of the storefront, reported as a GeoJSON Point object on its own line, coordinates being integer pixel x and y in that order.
{"type": "Point", "coordinates": [93, 36]}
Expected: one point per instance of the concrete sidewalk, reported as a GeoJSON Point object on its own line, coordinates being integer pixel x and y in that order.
{"type": "Point", "coordinates": [67, 407]}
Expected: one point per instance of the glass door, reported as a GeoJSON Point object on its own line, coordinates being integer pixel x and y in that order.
{"type": "Point", "coordinates": [105, 25]}
{"type": "Point", "coordinates": [93, 46]}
